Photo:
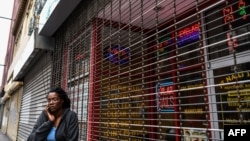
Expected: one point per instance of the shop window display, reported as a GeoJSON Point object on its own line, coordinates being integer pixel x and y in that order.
{"type": "Point", "coordinates": [233, 94]}
{"type": "Point", "coordinates": [122, 109]}
{"type": "Point", "coordinates": [192, 99]}
{"type": "Point", "coordinates": [78, 78]}
{"type": "Point", "coordinates": [229, 23]}
{"type": "Point", "coordinates": [187, 43]}
{"type": "Point", "coordinates": [166, 106]}
{"type": "Point", "coordinates": [164, 52]}
{"type": "Point", "coordinates": [180, 95]}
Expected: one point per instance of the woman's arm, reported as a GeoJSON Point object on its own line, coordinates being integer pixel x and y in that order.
{"type": "Point", "coordinates": [73, 129]}
{"type": "Point", "coordinates": [41, 128]}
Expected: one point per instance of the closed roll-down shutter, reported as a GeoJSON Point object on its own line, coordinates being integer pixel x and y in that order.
{"type": "Point", "coordinates": [36, 86]}
{"type": "Point", "coordinates": [155, 69]}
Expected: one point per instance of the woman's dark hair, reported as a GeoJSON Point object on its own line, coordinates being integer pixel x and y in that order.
{"type": "Point", "coordinates": [63, 95]}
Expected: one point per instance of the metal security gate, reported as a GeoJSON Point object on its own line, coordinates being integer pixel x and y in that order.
{"type": "Point", "coordinates": [36, 86]}
{"type": "Point", "coordinates": [156, 69]}
{"type": "Point", "coordinates": [72, 73]}
{"type": "Point", "coordinates": [169, 70]}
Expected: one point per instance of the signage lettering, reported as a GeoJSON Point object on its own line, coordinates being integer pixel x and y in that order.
{"type": "Point", "coordinates": [127, 110]}
{"type": "Point", "coordinates": [228, 18]}
{"type": "Point", "coordinates": [188, 35]}
{"type": "Point", "coordinates": [228, 14]}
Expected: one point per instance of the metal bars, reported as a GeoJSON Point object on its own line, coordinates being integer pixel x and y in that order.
{"type": "Point", "coordinates": [159, 69]}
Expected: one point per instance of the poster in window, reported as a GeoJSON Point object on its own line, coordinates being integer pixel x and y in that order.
{"type": "Point", "coordinates": [165, 97]}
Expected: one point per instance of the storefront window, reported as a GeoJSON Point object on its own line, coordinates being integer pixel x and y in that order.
{"type": "Point", "coordinates": [228, 27]}
{"type": "Point", "coordinates": [78, 94]}
{"type": "Point", "coordinates": [188, 38]}
{"type": "Point", "coordinates": [192, 100]}
{"type": "Point", "coordinates": [166, 106]}
{"type": "Point", "coordinates": [123, 107]}
{"type": "Point", "coordinates": [78, 78]}
{"type": "Point", "coordinates": [79, 58]}
{"type": "Point", "coordinates": [164, 51]}
{"type": "Point", "coordinates": [232, 94]}
{"type": "Point", "coordinates": [180, 95]}
{"type": "Point", "coordinates": [188, 55]}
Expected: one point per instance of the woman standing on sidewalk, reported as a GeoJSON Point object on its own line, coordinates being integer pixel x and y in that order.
{"type": "Point", "coordinates": [57, 122]}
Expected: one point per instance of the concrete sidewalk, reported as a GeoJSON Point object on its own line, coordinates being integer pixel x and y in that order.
{"type": "Point", "coordinates": [4, 137]}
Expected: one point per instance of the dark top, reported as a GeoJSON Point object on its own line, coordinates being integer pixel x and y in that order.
{"type": "Point", "coordinates": [67, 129]}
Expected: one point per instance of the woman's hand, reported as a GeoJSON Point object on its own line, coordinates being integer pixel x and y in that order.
{"type": "Point", "coordinates": [49, 114]}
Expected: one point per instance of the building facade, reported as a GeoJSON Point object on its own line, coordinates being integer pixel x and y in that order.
{"type": "Point", "coordinates": [135, 70]}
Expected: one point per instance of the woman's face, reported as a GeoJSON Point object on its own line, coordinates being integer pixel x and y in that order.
{"type": "Point", "coordinates": [54, 102]}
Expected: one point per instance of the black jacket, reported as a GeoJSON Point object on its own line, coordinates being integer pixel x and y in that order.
{"type": "Point", "coordinates": [67, 129]}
